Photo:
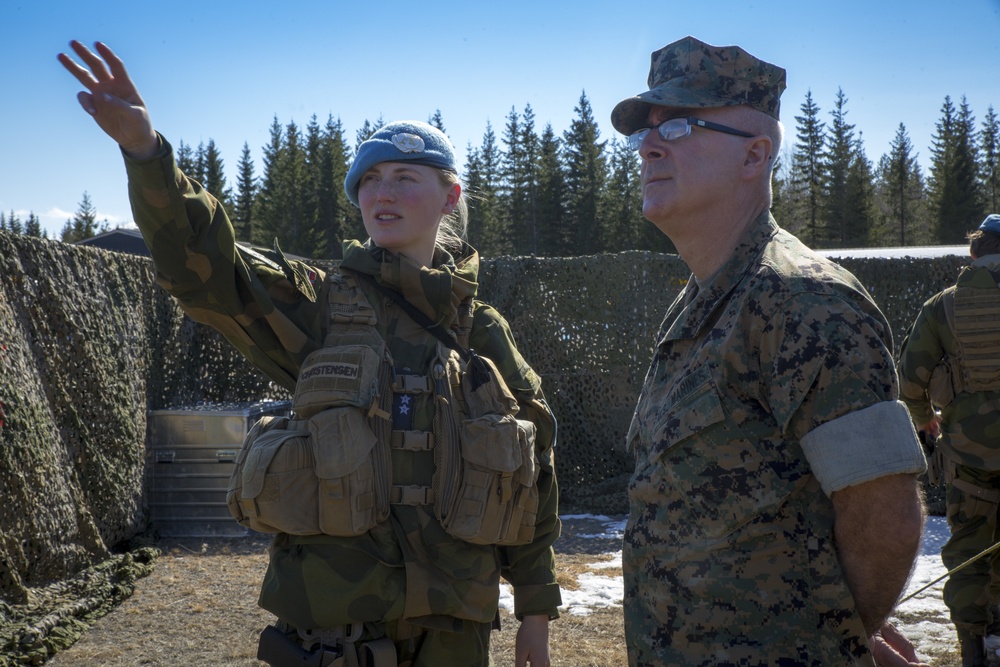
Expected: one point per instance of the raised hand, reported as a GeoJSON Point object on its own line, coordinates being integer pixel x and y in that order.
{"type": "Point", "coordinates": [112, 99]}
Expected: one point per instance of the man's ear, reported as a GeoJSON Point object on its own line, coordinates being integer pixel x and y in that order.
{"type": "Point", "coordinates": [758, 156]}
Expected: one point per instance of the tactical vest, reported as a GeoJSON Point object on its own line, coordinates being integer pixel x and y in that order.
{"type": "Point", "coordinates": [974, 363]}
{"type": "Point", "coordinates": [328, 470]}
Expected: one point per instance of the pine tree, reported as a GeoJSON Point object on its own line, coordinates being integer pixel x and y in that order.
{"type": "Point", "coordinates": [807, 177]}
{"type": "Point", "coordinates": [246, 191]}
{"type": "Point", "coordinates": [900, 194]}
{"type": "Point", "coordinates": [526, 236]}
{"type": "Point", "coordinates": [518, 172]}
{"type": "Point", "coordinates": [200, 164]}
{"type": "Point", "coordinates": [297, 228]}
{"type": "Point", "coordinates": [621, 203]}
{"type": "Point", "coordinates": [782, 201]}
{"type": "Point", "coordinates": [332, 204]}
{"type": "Point", "coordinates": [437, 121]}
{"type": "Point", "coordinates": [487, 231]}
{"type": "Point", "coordinates": [185, 159]}
{"type": "Point", "coordinates": [586, 178]}
{"type": "Point", "coordinates": [268, 201]}
{"type": "Point", "coordinates": [990, 165]}
{"type": "Point", "coordinates": [859, 195]}
{"type": "Point", "coordinates": [955, 198]}
{"type": "Point", "coordinates": [284, 204]}
{"type": "Point", "coordinates": [837, 160]}
{"type": "Point", "coordinates": [553, 239]}
{"type": "Point", "coordinates": [319, 210]}
{"type": "Point", "coordinates": [33, 226]}
{"type": "Point", "coordinates": [12, 223]}
{"type": "Point", "coordinates": [83, 225]}
{"type": "Point", "coordinates": [367, 130]}
{"type": "Point", "coordinates": [215, 177]}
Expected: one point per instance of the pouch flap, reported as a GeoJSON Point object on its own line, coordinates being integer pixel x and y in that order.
{"type": "Point", "coordinates": [259, 458]}
{"type": "Point", "coordinates": [491, 397]}
{"type": "Point", "coordinates": [492, 442]}
{"type": "Point", "coordinates": [341, 441]}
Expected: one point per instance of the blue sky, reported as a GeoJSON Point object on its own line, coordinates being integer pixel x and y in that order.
{"type": "Point", "coordinates": [224, 70]}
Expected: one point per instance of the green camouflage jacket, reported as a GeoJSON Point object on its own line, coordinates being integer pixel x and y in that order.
{"type": "Point", "coordinates": [272, 310]}
{"type": "Point", "coordinates": [729, 553]}
{"type": "Point", "coordinates": [970, 428]}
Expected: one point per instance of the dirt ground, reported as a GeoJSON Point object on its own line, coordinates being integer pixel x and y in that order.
{"type": "Point", "coordinates": [199, 607]}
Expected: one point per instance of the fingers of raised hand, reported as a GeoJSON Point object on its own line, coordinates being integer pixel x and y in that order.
{"type": "Point", "coordinates": [81, 74]}
{"type": "Point", "coordinates": [97, 67]}
{"type": "Point", "coordinates": [114, 62]}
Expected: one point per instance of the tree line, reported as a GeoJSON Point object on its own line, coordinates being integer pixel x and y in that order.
{"type": "Point", "coordinates": [832, 196]}
{"type": "Point", "coordinates": [540, 193]}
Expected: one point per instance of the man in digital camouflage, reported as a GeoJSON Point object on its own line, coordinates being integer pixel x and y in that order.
{"type": "Point", "coordinates": [768, 429]}
{"type": "Point", "coordinates": [950, 361]}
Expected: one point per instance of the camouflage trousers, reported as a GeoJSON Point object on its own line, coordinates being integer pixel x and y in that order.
{"type": "Point", "coordinates": [433, 648]}
{"type": "Point", "coordinates": [971, 592]}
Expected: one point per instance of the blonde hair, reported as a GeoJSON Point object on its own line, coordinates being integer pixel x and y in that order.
{"type": "Point", "coordinates": [453, 228]}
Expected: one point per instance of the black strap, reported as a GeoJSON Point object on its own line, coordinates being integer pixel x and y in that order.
{"type": "Point", "coordinates": [480, 371]}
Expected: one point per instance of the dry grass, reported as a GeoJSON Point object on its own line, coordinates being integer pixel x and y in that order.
{"type": "Point", "coordinates": [199, 608]}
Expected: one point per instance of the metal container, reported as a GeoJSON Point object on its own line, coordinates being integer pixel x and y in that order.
{"type": "Point", "coordinates": [190, 457]}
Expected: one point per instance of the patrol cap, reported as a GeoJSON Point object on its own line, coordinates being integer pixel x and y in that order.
{"type": "Point", "coordinates": [400, 141]}
{"type": "Point", "coordinates": [692, 74]}
{"type": "Point", "coordinates": [991, 223]}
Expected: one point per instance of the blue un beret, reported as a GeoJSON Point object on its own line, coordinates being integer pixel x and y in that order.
{"type": "Point", "coordinates": [401, 141]}
{"type": "Point", "coordinates": [991, 223]}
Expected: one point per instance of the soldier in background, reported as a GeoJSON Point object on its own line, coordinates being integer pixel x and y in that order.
{"type": "Point", "coordinates": [950, 360]}
{"type": "Point", "coordinates": [775, 513]}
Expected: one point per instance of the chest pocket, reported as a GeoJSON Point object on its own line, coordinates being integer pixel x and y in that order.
{"type": "Point", "coordinates": [710, 478]}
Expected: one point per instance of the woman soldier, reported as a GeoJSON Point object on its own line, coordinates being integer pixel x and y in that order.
{"type": "Point", "coordinates": [418, 468]}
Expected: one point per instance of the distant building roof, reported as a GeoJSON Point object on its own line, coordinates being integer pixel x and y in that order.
{"type": "Point", "coordinates": [131, 241]}
{"type": "Point", "coordinates": [119, 240]}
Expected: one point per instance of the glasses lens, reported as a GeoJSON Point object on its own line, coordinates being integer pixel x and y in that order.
{"type": "Point", "coordinates": [675, 128]}
{"type": "Point", "coordinates": [635, 139]}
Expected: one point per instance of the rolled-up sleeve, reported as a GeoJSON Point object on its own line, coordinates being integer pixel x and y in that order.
{"type": "Point", "coordinates": [864, 445]}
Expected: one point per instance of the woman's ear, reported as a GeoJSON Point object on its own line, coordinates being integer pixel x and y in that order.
{"type": "Point", "coordinates": [453, 195]}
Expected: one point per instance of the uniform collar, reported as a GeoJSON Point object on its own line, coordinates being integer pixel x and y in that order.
{"type": "Point", "coordinates": [983, 273]}
{"type": "Point", "coordinates": [700, 301]}
{"type": "Point", "coordinates": [436, 291]}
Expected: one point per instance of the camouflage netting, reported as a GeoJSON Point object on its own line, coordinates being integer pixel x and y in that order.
{"type": "Point", "coordinates": [88, 345]}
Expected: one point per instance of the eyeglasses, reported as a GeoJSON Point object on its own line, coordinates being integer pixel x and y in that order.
{"type": "Point", "coordinates": [675, 128]}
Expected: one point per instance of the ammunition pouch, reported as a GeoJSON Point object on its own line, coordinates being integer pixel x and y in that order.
{"type": "Point", "coordinates": [327, 473]}
{"type": "Point", "coordinates": [486, 473]}
{"type": "Point", "coordinates": [317, 476]}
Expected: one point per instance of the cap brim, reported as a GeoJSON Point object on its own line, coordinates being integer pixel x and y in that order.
{"type": "Point", "coordinates": [632, 114]}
